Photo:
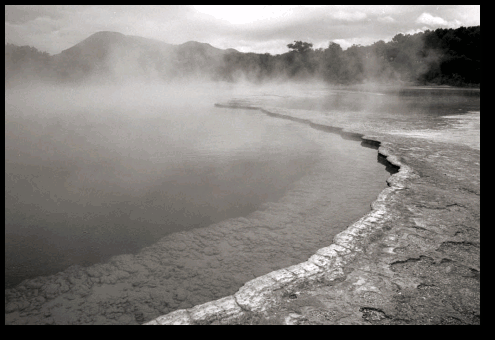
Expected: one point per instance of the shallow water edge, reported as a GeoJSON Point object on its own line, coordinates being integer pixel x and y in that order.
{"type": "Point", "coordinates": [257, 295]}
{"type": "Point", "coordinates": [162, 278]}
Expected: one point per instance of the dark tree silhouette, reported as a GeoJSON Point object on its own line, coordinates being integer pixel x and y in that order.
{"type": "Point", "coordinates": [300, 47]}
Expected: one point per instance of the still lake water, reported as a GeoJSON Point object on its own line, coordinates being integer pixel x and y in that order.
{"type": "Point", "coordinates": [79, 193]}
{"type": "Point", "coordinates": [122, 213]}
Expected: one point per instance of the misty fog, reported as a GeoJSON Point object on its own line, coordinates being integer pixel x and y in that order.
{"type": "Point", "coordinates": [95, 171]}
{"type": "Point", "coordinates": [154, 191]}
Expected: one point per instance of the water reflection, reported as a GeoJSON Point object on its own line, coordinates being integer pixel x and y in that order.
{"type": "Point", "coordinates": [384, 100]}
{"type": "Point", "coordinates": [296, 187]}
{"type": "Point", "coordinates": [104, 193]}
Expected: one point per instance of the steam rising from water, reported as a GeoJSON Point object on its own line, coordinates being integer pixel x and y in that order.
{"type": "Point", "coordinates": [155, 156]}
{"type": "Point", "coordinates": [107, 145]}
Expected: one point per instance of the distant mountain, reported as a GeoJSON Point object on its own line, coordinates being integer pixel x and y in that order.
{"type": "Point", "coordinates": [443, 56]}
{"type": "Point", "coordinates": [195, 58]}
{"type": "Point", "coordinates": [118, 56]}
{"type": "Point", "coordinates": [204, 49]}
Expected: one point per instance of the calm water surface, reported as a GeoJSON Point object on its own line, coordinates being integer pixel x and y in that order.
{"type": "Point", "coordinates": [107, 206]}
{"type": "Point", "coordinates": [81, 192]}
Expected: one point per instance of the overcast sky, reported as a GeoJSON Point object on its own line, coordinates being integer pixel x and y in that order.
{"type": "Point", "coordinates": [257, 29]}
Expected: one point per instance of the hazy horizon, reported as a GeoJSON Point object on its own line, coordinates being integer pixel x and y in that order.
{"type": "Point", "coordinates": [258, 29]}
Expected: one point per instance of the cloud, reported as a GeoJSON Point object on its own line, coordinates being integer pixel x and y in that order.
{"type": "Point", "coordinates": [346, 43]}
{"type": "Point", "coordinates": [465, 15]}
{"type": "Point", "coordinates": [254, 28]}
{"type": "Point", "coordinates": [387, 20]}
{"type": "Point", "coordinates": [415, 30]}
{"type": "Point", "coordinates": [261, 14]}
{"type": "Point", "coordinates": [347, 15]}
{"type": "Point", "coordinates": [428, 19]}
{"type": "Point", "coordinates": [246, 13]}
{"type": "Point", "coordinates": [19, 14]}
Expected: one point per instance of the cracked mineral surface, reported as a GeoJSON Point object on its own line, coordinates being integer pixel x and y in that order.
{"type": "Point", "coordinates": [415, 258]}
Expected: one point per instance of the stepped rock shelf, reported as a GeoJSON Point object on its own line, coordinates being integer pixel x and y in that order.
{"type": "Point", "coordinates": [414, 259]}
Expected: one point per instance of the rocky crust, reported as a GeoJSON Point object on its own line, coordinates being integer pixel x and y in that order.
{"type": "Point", "coordinates": [414, 259]}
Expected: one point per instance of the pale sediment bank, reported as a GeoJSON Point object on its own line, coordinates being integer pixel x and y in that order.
{"type": "Point", "coordinates": [414, 259]}
{"type": "Point", "coordinates": [259, 297]}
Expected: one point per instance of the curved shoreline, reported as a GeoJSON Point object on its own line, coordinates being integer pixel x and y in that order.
{"type": "Point", "coordinates": [326, 265]}
{"type": "Point", "coordinates": [190, 268]}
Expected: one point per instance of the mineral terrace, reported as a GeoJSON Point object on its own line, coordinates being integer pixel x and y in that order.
{"type": "Point", "coordinates": [414, 259]}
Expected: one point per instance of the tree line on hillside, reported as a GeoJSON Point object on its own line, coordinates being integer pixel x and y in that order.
{"type": "Point", "coordinates": [26, 62]}
{"type": "Point", "coordinates": [442, 56]}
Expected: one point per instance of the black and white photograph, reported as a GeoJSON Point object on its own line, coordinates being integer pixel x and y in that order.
{"type": "Point", "coordinates": [242, 164]}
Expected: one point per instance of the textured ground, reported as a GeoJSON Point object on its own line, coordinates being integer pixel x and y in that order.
{"type": "Point", "coordinates": [415, 259]}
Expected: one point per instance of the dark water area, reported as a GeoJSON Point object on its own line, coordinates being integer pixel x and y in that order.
{"type": "Point", "coordinates": [93, 198]}
{"type": "Point", "coordinates": [119, 213]}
